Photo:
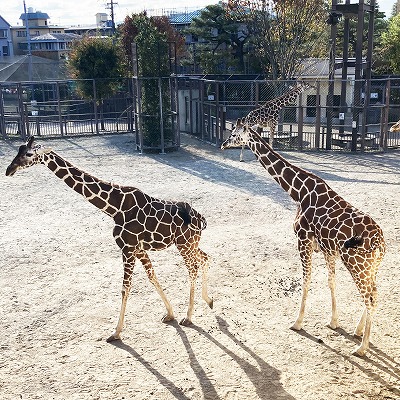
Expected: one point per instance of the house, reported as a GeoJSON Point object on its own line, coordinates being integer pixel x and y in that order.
{"type": "Point", "coordinates": [34, 24]}
{"type": "Point", "coordinates": [102, 27]}
{"type": "Point", "coordinates": [54, 46]}
{"type": "Point", "coordinates": [6, 48]}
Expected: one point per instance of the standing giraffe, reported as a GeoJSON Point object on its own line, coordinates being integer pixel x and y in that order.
{"type": "Point", "coordinates": [268, 114]}
{"type": "Point", "coordinates": [395, 127]}
{"type": "Point", "coordinates": [324, 221]}
{"type": "Point", "coordinates": [142, 223]}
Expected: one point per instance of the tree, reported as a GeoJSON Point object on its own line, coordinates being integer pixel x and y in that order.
{"type": "Point", "coordinates": [285, 32]}
{"type": "Point", "coordinates": [130, 28]}
{"type": "Point", "coordinates": [224, 38]}
{"type": "Point", "coordinates": [153, 66]}
{"type": "Point", "coordinates": [389, 54]}
{"type": "Point", "coordinates": [97, 59]}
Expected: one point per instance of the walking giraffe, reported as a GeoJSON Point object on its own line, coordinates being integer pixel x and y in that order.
{"type": "Point", "coordinates": [324, 221]}
{"type": "Point", "coordinates": [268, 114]}
{"type": "Point", "coordinates": [142, 223]}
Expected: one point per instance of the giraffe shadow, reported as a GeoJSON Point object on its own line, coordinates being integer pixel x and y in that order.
{"type": "Point", "coordinates": [375, 357]}
{"type": "Point", "coordinates": [264, 377]}
{"type": "Point", "coordinates": [375, 165]}
{"type": "Point", "coordinates": [173, 389]}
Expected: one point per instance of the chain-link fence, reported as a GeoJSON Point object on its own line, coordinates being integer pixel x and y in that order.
{"type": "Point", "coordinates": [315, 120]}
{"type": "Point", "coordinates": [52, 109]}
{"type": "Point", "coordinates": [323, 116]}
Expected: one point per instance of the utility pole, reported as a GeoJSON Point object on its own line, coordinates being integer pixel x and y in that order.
{"type": "Point", "coordinates": [28, 38]}
{"type": "Point", "coordinates": [110, 6]}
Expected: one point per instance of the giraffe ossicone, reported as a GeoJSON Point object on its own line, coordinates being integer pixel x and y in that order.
{"type": "Point", "coordinates": [327, 222]}
{"type": "Point", "coordinates": [142, 223]}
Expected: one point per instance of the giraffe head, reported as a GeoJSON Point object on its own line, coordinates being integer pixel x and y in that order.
{"type": "Point", "coordinates": [28, 154]}
{"type": "Point", "coordinates": [238, 136]}
{"type": "Point", "coordinates": [395, 127]}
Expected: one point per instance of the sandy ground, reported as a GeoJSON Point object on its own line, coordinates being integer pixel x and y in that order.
{"type": "Point", "coordinates": [61, 275]}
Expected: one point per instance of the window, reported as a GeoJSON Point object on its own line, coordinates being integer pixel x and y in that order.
{"type": "Point", "coordinates": [311, 105]}
{"type": "Point", "coordinates": [5, 51]}
{"type": "Point", "coordinates": [21, 33]}
{"type": "Point", "coordinates": [3, 33]}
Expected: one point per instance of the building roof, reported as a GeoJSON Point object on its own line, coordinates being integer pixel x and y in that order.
{"type": "Point", "coordinates": [5, 21]}
{"type": "Point", "coordinates": [34, 15]}
{"type": "Point", "coordinates": [319, 67]}
{"type": "Point", "coordinates": [15, 69]}
{"type": "Point", "coordinates": [183, 17]}
{"type": "Point", "coordinates": [57, 37]}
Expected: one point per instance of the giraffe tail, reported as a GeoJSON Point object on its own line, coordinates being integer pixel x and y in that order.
{"type": "Point", "coordinates": [353, 242]}
{"type": "Point", "coordinates": [191, 217]}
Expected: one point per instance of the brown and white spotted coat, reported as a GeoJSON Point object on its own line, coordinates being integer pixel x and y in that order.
{"type": "Point", "coordinates": [395, 127]}
{"type": "Point", "coordinates": [324, 221]}
{"type": "Point", "coordinates": [142, 224]}
{"type": "Point", "coordinates": [268, 114]}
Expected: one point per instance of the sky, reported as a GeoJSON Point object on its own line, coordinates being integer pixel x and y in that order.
{"type": "Point", "coordinates": [82, 12]}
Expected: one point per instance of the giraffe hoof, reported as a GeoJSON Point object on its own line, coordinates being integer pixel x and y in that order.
{"type": "Point", "coordinates": [112, 338]}
{"type": "Point", "coordinates": [359, 352]}
{"type": "Point", "coordinates": [167, 318]}
{"type": "Point", "coordinates": [296, 327]}
{"type": "Point", "coordinates": [185, 322]}
{"type": "Point", "coordinates": [211, 303]}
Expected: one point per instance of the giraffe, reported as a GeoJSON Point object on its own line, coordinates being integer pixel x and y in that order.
{"type": "Point", "coordinates": [267, 115]}
{"type": "Point", "coordinates": [142, 223]}
{"type": "Point", "coordinates": [326, 222]}
{"type": "Point", "coordinates": [395, 127]}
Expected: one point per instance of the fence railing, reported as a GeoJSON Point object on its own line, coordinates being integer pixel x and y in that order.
{"type": "Point", "coordinates": [52, 109]}
{"type": "Point", "coordinates": [206, 108]}
{"type": "Point", "coordinates": [314, 121]}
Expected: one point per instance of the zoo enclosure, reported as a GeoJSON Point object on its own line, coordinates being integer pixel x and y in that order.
{"type": "Point", "coordinates": [207, 107]}
{"type": "Point", "coordinates": [313, 122]}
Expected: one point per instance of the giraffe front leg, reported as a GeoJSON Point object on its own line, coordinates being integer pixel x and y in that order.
{"type": "Point", "coordinates": [241, 153]}
{"type": "Point", "coordinates": [129, 263]}
{"type": "Point", "coordinates": [305, 248]}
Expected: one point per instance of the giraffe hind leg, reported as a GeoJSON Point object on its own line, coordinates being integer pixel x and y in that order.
{"type": "Point", "coordinates": [330, 261]}
{"type": "Point", "coordinates": [205, 266]}
{"type": "Point", "coordinates": [145, 260]}
{"type": "Point", "coordinates": [194, 257]}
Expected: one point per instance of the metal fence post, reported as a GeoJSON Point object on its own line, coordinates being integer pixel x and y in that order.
{"type": "Point", "coordinates": [161, 116]}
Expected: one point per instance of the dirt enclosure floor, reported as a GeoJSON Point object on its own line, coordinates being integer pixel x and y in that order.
{"type": "Point", "coordinates": [61, 275]}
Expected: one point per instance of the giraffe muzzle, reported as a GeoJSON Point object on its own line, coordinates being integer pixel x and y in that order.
{"type": "Point", "coordinates": [11, 170]}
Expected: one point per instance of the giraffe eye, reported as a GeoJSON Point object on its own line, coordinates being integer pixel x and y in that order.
{"type": "Point", "coordinates": [29, 154]}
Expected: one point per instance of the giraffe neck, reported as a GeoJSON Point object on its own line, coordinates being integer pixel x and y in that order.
{"type": "Point", "coordinates": [99, 193]}
{"type": "Point", "coordinates": [294, 180]}
{"type": "Point", "coordinates": [269, 112]}
{"type": "Point", "coordinates": [286, 98]}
